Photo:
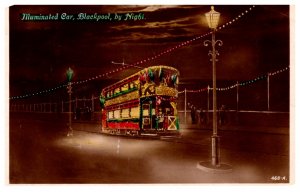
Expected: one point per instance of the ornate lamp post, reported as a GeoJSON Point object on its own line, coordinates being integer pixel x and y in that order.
{"type": "Point", "coordinates": [212, 18]}
{"type": "Point", "coordinates": [69, 88]}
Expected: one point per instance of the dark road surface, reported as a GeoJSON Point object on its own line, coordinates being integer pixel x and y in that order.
{"type": "Point", "coordinates": [40, 152]}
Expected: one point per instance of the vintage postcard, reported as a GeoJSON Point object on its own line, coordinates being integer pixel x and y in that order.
{"type": "Point", "coordinates": [150, 94]}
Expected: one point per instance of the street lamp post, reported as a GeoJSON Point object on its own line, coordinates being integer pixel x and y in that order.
{"type": "Point", "coordinates": [212, 18]}
{"type": "Point", "coordinates": [69, 88]}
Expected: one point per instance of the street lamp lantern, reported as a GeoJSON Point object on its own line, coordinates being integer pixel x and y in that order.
{"type": "Point", "coordinates": [215, 165]}
{"type": "Point", "coordinates": [69, 74]}
{"type": "Point", "coordinates": [69, 90]}
{"type": "Point", "coordinates": [212, 18]}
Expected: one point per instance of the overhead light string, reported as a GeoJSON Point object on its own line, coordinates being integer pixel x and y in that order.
{"type": "Point", "coordinates": [140, 62]}
{"type": "Point", "coordinates": [243, 83]}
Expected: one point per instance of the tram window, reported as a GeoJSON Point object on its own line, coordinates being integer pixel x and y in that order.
{"type": "Point", "coordinates": [146, 112]}
{"type": "Point", "coordinates": [135, 112]}
{"type": "Point", "coordinates": [132, 85]}
{"type": "Point", "coordinates": [125, 87]}
{"type": "Point", "coordinates": [117, 114]}
{"type": "Point", "coordinates": [125, 113]}
{"type": "Point", "coordinates": [167, 110]}
{"type": "Point", "coordinates": [110, 115]}
{"type": "Point", "coordinates": [153, 111]}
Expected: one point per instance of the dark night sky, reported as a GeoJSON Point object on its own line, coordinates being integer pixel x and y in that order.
{"type": "Point", "coordinates": [40, 52]}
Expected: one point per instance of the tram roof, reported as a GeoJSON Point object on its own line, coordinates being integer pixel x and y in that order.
{"type": "Point", "coordinates": [137, 73]}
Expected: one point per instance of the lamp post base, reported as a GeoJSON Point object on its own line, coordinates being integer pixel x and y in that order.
{"type": "Point", "coordinates": [214, 166]}
{"type": "Point", "coordinates": [207, 166]}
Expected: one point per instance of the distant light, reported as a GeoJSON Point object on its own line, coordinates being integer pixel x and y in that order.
{"type": "Point", "coordinates": [212, 18]}
{"type": "Point", "coordinates": [69, 74]}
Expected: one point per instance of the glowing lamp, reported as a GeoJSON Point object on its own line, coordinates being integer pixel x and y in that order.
{"type": "Point", "coordinates": [69, 74]}
{"type": "Point", "coordinates": [212, 18]}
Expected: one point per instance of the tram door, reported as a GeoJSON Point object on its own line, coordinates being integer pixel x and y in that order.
{"type": "Point", "coordinates": [146, 118]}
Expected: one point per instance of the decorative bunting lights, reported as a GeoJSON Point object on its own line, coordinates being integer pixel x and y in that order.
{"type": "Point", "coordinates": [138, 62]}
{"type": "Point", "coordinates": [239, 84]}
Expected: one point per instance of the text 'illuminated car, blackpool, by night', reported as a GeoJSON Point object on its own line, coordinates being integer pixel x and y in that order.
{"type": "Point", "coordinates": [143, 103]}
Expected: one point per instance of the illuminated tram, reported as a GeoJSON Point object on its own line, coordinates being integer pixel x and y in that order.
{"type": "Point", "coordinates": [143, 103]}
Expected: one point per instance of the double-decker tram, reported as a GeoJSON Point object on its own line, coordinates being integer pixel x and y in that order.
{"type": "Point", "coordinates": [143, 103]}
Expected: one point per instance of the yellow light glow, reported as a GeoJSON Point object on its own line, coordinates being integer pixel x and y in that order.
{"type": "Point", "coordinates": [125, 113]}
{"type": "Point", "coordinates": [117, 114]}
{"type": "Point", "coordinates": [212, 18]}
{"type": "Point", "coordinates": [135, 112]}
